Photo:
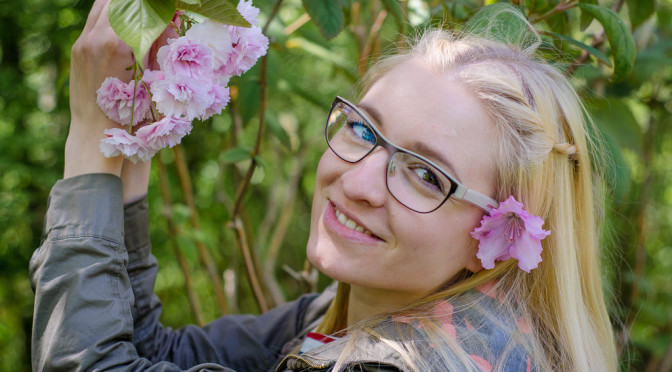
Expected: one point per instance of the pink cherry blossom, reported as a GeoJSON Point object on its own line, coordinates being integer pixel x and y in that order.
{"type": "Point", "coordinates": [249, 44]}
{"type": "Point", "coordinates": [510, 231]}
{"type": "Point", "coordinates": [216, 36]}
{"type": "Point", "coordinates": [120, 142]}
{"type": "Point", "coordinates": [115, 98]}
{"type": "Point", "coordinates": [150, 76]}
{"type": "Point", "coordinates": [249, 12]}
{"type": "Point", "coordinates": [166, 132]}
{"type": "Point", "coordinates": [186, 57]}
{"type": "Point", "coordinates": [180, 96]}
{"type": "Point", "coordinates": [221, 96]}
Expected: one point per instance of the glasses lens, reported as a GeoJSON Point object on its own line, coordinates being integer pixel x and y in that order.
{"type": "Point", "coordinates": [416, 183]}
{"type": "Point", "coordinates": [348, 134]}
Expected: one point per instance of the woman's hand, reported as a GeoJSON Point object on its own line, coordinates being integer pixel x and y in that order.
{"type": "Point", "coordinates": [97, 54]}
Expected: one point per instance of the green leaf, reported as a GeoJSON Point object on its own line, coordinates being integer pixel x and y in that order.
{"type": "Point", "coordinates": [222, 11]}
{"type": "Point", "coordinates": [277, 130]}
{"type": "Point", "coordinates": [260, 162]}
{"type": "Point", "coordinates": [559, 23]}
{"type": "Point", "coordinates": [140, 22]}
{"type": "Point", "coordinates": [615, 117]}
{"type": "Point", "coordinates": [538, 6]}
{"type": "Point", "coordinates": [623, 48]}
{"type": "Point", "coordinates": [501, 22]}
{"type": "Point", "coordinates": [236, 154]}
{"type": "Point", "coordinates": [324, 53]}
{"type": "Point", "coordinates": [599, 55]}
{"type": "Point", "coordinates": [639, 11]}
{"type": "Point", "coordinates": [394, 7]}
{"type": "Point", "coordinates": [327, 15]}
{"type": "Point", "coordinates": [586, 18]}
{"type": "Point", "coordinates": [192, 2]}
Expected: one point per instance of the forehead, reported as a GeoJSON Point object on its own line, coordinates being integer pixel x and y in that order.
{"type": "Point", "coordinates": [416, 104]}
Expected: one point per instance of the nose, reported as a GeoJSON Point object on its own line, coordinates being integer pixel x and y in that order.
{"type": "Point", "coordinates": [364, 181]}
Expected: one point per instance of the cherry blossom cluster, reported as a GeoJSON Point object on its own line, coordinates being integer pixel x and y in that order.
{"type": "Point", "coordinates": [190, 84]}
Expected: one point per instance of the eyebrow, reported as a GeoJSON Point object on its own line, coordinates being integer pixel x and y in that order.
{"type": "Point", "coordinates": [373, 112]}
{"type": "Point", "coordinates": [421, 148]}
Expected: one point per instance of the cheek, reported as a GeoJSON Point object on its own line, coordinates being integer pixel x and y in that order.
{"type": "Point", "coordinates": [444, 236]}
{"type": "Point", "coordinates": [328, 170]}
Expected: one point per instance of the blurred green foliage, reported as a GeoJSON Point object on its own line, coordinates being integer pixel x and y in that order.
{"type": "Point", "coordinates": [304, 71]}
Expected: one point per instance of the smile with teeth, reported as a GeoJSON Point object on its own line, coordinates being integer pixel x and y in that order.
{"type": "Point", "coordinates": [345, 221]}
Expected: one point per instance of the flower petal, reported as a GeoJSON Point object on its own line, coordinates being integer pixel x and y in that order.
{"type": "Point", "coordinates": [527, 250]}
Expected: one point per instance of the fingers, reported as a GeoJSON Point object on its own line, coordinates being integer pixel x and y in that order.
{"type": "Point", "coordinates": [150, 59]}
{"type": "Point", "coordinates": [94, 14]}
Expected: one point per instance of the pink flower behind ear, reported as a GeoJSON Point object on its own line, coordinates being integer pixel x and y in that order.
{"type": "Point", "coordinates": [115, 98]}
{"type": "Point", "coordinates": [509, 231]}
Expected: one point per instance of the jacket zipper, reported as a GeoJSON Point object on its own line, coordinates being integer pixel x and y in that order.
{"type": "Point", "coordinates": [311, 364]}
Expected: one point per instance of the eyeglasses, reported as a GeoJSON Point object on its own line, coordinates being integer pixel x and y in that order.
{"type": "Point", "coordinates": [411, 179]}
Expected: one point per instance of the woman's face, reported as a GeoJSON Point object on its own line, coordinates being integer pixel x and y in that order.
{"type": "Point", "coordinates": [400, 250]}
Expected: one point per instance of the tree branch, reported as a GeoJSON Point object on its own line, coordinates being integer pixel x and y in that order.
{"type": "Point", "coordinates": [174, 232]}
{"type": "Point", "coordinates": [203, 253]}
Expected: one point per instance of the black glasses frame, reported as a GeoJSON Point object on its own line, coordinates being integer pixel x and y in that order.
{"type": "Point", "coordinates": [457, 189]}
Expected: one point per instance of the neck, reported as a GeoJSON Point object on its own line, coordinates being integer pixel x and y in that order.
{"type": "Point", "coordinates": [365, 302]}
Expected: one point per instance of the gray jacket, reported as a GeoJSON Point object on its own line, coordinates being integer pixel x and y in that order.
{"type": "Point", "coordinates": [95, 307]}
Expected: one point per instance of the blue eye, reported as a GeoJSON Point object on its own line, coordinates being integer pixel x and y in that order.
{"type": "Point", "coordinates": [362, 131]}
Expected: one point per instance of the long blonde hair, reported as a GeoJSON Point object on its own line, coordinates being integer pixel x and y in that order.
{"type": "Point", "coordinates": [544, 162]}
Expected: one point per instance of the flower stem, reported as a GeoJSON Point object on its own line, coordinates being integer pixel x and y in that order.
{"type": "Point", "coordinates": [135, 88]}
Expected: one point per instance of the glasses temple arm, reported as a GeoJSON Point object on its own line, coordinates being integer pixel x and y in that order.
{"type": "Point", "coordinates": [476, 198]}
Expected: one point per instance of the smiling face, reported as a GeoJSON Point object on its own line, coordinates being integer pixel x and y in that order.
{"type": "Point", "coordinates": [360, 234]}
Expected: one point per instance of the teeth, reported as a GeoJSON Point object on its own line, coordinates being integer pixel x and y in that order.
{"type": "Point", "coordinates": [350, 223]}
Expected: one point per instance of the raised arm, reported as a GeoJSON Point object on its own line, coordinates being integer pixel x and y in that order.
{"type": "Point", "coordinates": [83, 298]}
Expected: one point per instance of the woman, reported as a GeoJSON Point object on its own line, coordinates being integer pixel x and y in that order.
{"type": "Point", "coordinates": [413, 189]}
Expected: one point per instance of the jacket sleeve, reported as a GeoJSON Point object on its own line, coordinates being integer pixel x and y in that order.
{"type": "Point", "coordinates": [83, 298]}
{"type": "Point", "coordinates": [241, 342]}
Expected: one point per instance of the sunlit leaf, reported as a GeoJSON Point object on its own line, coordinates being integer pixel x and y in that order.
{"type": "Point", "coordinates": [223, 11]}
{"type": "Point", "coordinates": [140, 22]}
{"type": "Point", "coordinates": [595, 52]}
{"type": "Point", "coordinates": [623, 48]}
{"type": "Point", "coordinates": [327, 15]}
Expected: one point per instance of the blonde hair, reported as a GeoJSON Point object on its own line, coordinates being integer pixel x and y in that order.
{"type": "Point", "coordinates": [544, 162]}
